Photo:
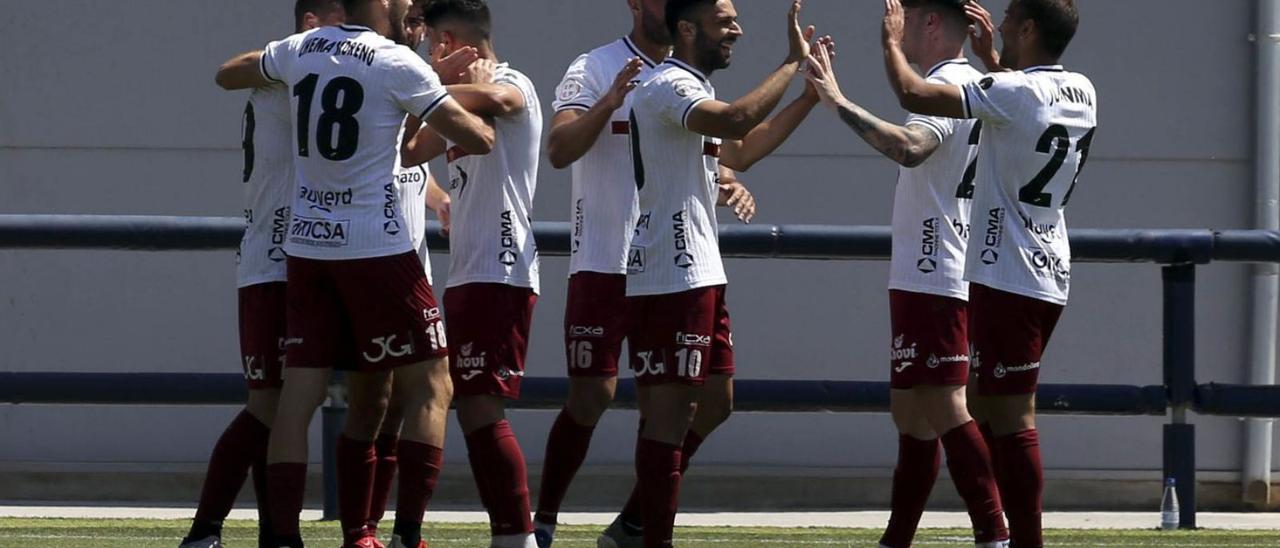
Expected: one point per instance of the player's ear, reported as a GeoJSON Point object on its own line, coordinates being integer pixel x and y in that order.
{"type": "Point", "coordinates": [310, 21]}
{"type": "Point", "coordinates": [687, 29]}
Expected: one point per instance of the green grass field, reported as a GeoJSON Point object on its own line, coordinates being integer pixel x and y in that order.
{"type": "Point", "coordinates": [59, 533]}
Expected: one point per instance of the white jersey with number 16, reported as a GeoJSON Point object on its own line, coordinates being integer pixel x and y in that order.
{"type": "Point", "coordinates": [1038, 126]}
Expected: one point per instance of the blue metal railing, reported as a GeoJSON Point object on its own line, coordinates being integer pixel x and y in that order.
{"type": "Point", "coordinates": [1177, 251]}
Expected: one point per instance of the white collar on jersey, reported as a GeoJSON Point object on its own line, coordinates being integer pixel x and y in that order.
{"type": "Point", "coordinates": [1045, 68]}
{"type": "Point", "coordinates": [956, 61]}
{"type": "Point", "coordinates": [355, 28]}
{"type": "Point", "coordinates": [636, 51]}
{"type": "Point", "coordinates": [686, 66]}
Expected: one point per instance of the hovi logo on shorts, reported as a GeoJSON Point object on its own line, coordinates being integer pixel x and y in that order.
{"type": "Point", "coordinates": [899, 353]}
{"type": "Point", "coordinates": [507, 239]}
{"type": "Point", "coordinates": [1001, 370]}
{"type": "Point", "coordinates": [319, 232]}
{"type": "Point", "coordinates": [467, 361]}
{"type": "Point", "coordinates": [683, 258]}
{"type": "Point", "coordinates": [325, 200]}
{"type": "Point", "coordinates": [386, 347]}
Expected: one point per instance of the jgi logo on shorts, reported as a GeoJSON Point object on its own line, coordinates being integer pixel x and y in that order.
{"type": "Point", "coordinates": [387, 347]}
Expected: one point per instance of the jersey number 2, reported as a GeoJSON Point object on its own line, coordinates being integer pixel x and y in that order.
{"type": "Point", "coordinates": [340, 101]}
{"type": "Point", "coordinates": [1055, 140]}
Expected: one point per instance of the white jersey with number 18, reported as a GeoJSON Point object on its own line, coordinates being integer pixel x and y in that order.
{"type": "Point", "coordinates": [604, 206]}
{"type": "Point", "coordinates": [268, 184]}
{"type": "Point", "coordinates": [931, 203]}
{"type": "Point", "coordinates": [1038, 126]}
{"type": "Point", "coordinates": [351, 90]}
{"type": "Point", "coordinates": [676, 246]}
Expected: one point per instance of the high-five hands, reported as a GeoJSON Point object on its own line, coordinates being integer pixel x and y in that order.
{"type": "Point", "coordinates": [820, 74]}
{"type": "Point", "coordinates": [799, 38]}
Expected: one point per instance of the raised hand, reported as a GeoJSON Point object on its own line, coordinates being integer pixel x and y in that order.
{"type": "Point", "coordinates": [829, 44]}
{"type": "Point", "coordinates": [734, 194]}
{"type": "Point", "coordinates": [982, 35]}
{"type": "Point", "coordinates": [623, 84]}
{"type": "Point", "coordinates": [451, 67]}
{"type": "Point", "coordinates": [480, 71]}
{"type": "Point", "coordinates": [894, 23]}
{"type": "Point", "coordinates": [798, 37]}
{"type": "Point", "coordinates": [821, 76]}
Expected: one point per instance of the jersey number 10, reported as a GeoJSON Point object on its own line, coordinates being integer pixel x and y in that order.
{"type": "Point", "coordinates": [340, 101]}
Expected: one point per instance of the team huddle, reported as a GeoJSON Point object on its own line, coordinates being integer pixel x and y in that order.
{"type": "Point", "coordinates": [333, 272]}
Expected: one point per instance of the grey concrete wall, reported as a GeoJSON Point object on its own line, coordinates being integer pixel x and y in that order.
{"type": "Point", "coordinates": [114, 111]}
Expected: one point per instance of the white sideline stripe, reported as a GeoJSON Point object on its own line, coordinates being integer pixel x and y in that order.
{"type": "Point", "coordinates": [859, 520]}
{"type": "Point", "coordinates": [586, 541]}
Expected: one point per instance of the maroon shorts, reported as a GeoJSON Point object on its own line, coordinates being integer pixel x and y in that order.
{"type": "Point", "coordinates": [930, 344]}
{"type": "Point", "coordinates": [262, 334]}
{"type": "Point", "coordinates": [366, 315]}
{"type": "Point", "coordinates": [595, 323]}
{"type": "Point", "coordinates": [1009, 333]}
{"type": "Point", "coordinates": [680, 337]}
{"type": "Point", "coordinates": [489, 326]}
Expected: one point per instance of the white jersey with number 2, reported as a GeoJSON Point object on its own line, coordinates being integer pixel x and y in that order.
{"type": "Point", "coordinates": [1038, 126]}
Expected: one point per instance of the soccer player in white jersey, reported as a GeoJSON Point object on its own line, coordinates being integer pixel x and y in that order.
{"type": "Point", "coordinates": [929, 352]}
{"type": "Point", "coordinates": [356, 286]}
{"type": "Point", "coordinates": [493, 267]}
{"type": "Point", "coordinates": [260, 279]}
{"type": "Point", "coordinates": [680, 135]}
{"type": "Point", "coordinates": [591, 131]}
{"type": "Point", "coordinates": [1038, 125]}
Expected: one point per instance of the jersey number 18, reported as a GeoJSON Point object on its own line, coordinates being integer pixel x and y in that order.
{"type": "Point", "coordinates": [340, 101]}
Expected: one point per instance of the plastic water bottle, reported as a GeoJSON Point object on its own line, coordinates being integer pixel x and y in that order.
{"type": "Point", "coordinates": [1169, 506]}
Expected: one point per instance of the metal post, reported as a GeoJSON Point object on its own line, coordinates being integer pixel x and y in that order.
{"type": "Point", "coordinates": [333, 416]}
{"type": "Point", "coordinates": [1180, 379]}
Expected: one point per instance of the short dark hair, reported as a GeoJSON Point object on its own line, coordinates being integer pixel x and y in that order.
{"type": "Point", "coordinates": [319, 7]}
{"type": "Point", "coordinates": [1056, 20]}
{"type": "Point", "coordinates": [683, 10]}
{"type": "Point", "coordinates": [472, 12]}
{"type": "Point", "coordinates": [953, 9]}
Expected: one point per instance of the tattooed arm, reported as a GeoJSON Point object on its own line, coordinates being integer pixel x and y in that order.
{"type": "Point", "coordinates": [909, 145]}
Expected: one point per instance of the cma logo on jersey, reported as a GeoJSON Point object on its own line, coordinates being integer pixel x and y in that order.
{"type": "Point", "coordinates": [507, 240]}
{"type": "Point", "coordinates": [994, 236]}
{"type": "Point", "coordinates": [929, 247]}
{"type": "Point", "coordinates": [389, 209]}
{"type": "Point", "coordinates": [279, 227]}
{"type": "Point", "coordinates": [683, 258]}
{"type": "Point", "coordinates": [319, 232]}
{"type": "Point", "coordinates": [386, 347]}
{"type": "Point", "coordinates": [325, 200]}
{"type": "Point", "coordinates": [635, 260]}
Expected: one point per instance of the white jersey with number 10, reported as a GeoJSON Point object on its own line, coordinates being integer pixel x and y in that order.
{"type": "Point", "coordinates": [1038, 126]}
{"type": "Point", "coordinates": [351, 90]}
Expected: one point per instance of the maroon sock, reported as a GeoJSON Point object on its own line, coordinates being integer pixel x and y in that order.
{"type": "Point", "coordinates": [913, 478]}
{"type": "Point", "coordinates": [286, 481]}
{"type": "Point", "coordinates": [419, 471]}
{"type": "Point", "coordinates": [260, 493]}
{"type": "Point", "coordinates": [631, 510]}
{"type": "Point", "coordinates": [969, 461]}
{"type": "Point", "coordinates": [632, 513]}
{"type": "Point", "coordinates": [383, 478]}
{"type": "Point", "coordinates": [658, 473]}
{"type": "Point", "coordinates": [229, 465]}
{"type": "Point", "coordinates": [356, 462]}
{"type": "Point", "coordinates": [566, 450]}
{"type": "Point", "coordinates": [1021, 478]}
{"type": "Point", "coordinates": [507, 482]}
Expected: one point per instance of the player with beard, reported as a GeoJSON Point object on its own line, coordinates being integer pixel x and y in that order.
{"type": "Point", "coordinates": [680, 135]}
{"type": "Point", "coordinates": [493, 264]}
{"type": "Point", "coordinates": [356, 286]}
{"type": "Point", "coordinates": [929, 362]}
{"type": "Point", "coordinates": [260, 278]}
{"type": "Point", "coordinates": [1038, 126]}
{"type": "Point", "coordinates": [590, 131]}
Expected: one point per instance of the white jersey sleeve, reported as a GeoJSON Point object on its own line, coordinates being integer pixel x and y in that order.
{"type": "Point", "coordinates": [674, 101]}
{"type": "Point", "coordinates": [581, 87]}
{"type": "Point", "coordinates": [998, 98]}
{"type": "Point", "coordinates": [416, 87]}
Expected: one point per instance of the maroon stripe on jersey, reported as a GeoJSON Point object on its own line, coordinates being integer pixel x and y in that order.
{"type": "Point", "coordinates": [710, 149]}
{"type": "Point", "coordinates": [456, 153]}
{"type": "Point", "coordinates": [621, 127]}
